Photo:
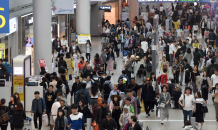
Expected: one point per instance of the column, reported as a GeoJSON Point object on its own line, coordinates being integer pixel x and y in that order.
{"type": "Point", "coordinates": [83, 21]}
{"type": "Point", "coordinates": [83, 16]}
{"type": "Point", "coordinates": [133, 9]}
{"type": "Point", "coordinates": [42, 34]}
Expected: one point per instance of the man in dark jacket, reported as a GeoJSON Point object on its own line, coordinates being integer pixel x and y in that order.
{"type": "Point", "coordinates": [212, 37]}
{"type": "Point", "coordinates": [137, 43]}
{"type": "Point", "coordinates": [38, 108]}
{"type": "Point", "coordinates": [83, 95]}
{"type": "Point", "coordinates": [3, 70]}
{"type": "Point", "coordinates": [76, 87]}
{"type": "Point", "coordinates": [109, 123]}
{"type": "Point", "coordinates": [101, 114]}
{"type": "Point", "coordinates": [147, 96]}
{"type": "Point", "coordinates": [74, 47]}
{"type": "Point", "coordinates": [139, 51]}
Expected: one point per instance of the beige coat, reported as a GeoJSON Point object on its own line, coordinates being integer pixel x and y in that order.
{"type": "Point", "coordinates": [121, 120]}
{"type": "Point", "coordinates": [69, 65]}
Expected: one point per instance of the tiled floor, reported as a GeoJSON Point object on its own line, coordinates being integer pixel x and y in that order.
{"type": "Point", "coordinates": [176, 116]}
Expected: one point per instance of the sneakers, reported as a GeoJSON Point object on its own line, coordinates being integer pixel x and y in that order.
{"type": "Point", "coordinates": [161, 122]}
{"type": "Point", "coordinates": [147, 115]}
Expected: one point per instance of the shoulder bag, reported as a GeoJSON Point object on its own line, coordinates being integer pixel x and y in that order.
{"type": "Point", "coordinates": [180, 107]}
{"type": "Point", "coordinates": [163, 105]}
{"type": "Point", "coordinates": [5, 116]}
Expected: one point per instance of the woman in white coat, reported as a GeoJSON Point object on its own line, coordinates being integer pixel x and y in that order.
{"type": "Point", "coordinates": [144, 45]}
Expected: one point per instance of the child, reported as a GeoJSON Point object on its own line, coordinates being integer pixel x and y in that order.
{"type": "Point", "coordinates": [60, 118]}
{"type": "Point", "coordinates": [122, 97]}
{"type": "Point", "coordinates": [157, 98]}
{"type": "Point", "coordinates": [116, 113]}
{"type": "Point", "coordinates": [76, 119]}
{"type": "Point", "coordinates": [131, 108]}
{"type": "Point", "coordinates": [114, 99]}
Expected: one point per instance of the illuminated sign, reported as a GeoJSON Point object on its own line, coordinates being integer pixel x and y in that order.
{"type": "Point", "coordinates": [4, 16]}
{"type": "Point", "coordinates": [104, 7]}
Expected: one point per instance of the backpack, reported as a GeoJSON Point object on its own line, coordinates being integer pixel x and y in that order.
{"type": "Point", "coordinates": [59, 91]}
{"type": "Point", "coordinates": [149, 67]}
{"type": "Point", "coordinates": [98, 83]}
{"type": "Point", "coordinates": [212, 69]}
{"type": "Point", "coordinates": [82, 96]}
{"type": "Point", "coordinates": [107, 88]}
{"type": "Point", "coordinates": [8, 67]}
{"type": "Point", "coordinates": [159, 79]}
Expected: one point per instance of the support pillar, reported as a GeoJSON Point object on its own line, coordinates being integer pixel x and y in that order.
{"type": "Point", "coordinates": [42, 34]}
{"type": "Point", "coordinates": [83, 21]}
{"type": "Point", "coordinates": [83, 16]}
{"type": "Point", "coordinates": [133, 9]}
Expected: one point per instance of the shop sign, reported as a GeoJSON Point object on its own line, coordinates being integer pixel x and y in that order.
{"type": "Point", "coordinates": [4, 16]}
{"type": "Point", "coordinates": [63, 6]}
{"type": "Point", "coordinates": [13, 25]}
{"type": "Point", "coordinates": [42, 62]}
{"type": "Point", "coordinates": [105, 8]}
{"type": "Point", "coordinates": [18, 86]}
{"type": "Point", "coordinates": [82, 38]}
{"type": "Point", "coordinates": [2, 83]}
{"type": "Point", "coordinates": [2, 50]}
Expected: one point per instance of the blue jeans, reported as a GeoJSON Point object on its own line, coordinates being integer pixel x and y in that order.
{"type": "Point", "coordinates": [187, 113]}
{"type": "Point", "coordinates": [55, 64]}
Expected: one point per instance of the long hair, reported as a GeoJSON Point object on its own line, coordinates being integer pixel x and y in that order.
{"type": "Point", "coordinates": [96, 57]}
{"type": "Point", "coordinates": [94, 89]}
{"type": "Point", "coordinates": [152, 73]}
{"type": "Point", "coordinates": [59, 84]}
{"type": "Point", "coordinates": [18, 99]}
{"type": "Point", "coordinates": [140, 71]}
{"type": "Point", "coordinates": [15, 100]}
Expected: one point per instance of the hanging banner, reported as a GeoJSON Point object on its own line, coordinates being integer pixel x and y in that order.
{"type": "Point", "coordinates": [4, 16]}
{"type": "Point", "coordinates": [2, 50]}
{"type": "Point", "coordinates": [125, 15]}
{"type": "Point", "coordinates": [42, 62]}
{"type": "Point", "coordinates": [82, 38]}
{"type": "Point", "coordinates": [63, 7]}
{"type": "Point", "coordinates": [18, 86]}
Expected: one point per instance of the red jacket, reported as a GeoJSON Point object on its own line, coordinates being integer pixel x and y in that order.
{"type": "Point", "coordinates": [97, 63]}
{"type": "Point", "coordinates": [163, 78]}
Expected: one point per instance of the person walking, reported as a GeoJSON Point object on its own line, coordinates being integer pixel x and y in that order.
{"type": "Point", "coordinates": [19, 117]}
{"type": "Point", "coordinates": [101, 114]}
{"type": "Point", "coordinates": [195, 78]}
{"type": "Point", "coordinates": [204, 84]}
{"type": "Point", "coordinates": [186, 101]}
{"type": "Point", "coordinates": [88, 50]}
{"type": "Point", "coordinates": [128, 66]}
{"type": "Point", "coordinates": [83, 95]}
{"type": "Point", "coordinates": [176, 70]}
{"type": "Point", "coordinates": [125, 117]}
{"type": "Point", "coordinates": [97, 62]}
{"type": "Point", "coordinates": [164, 104]}
{"type": "Point", "coordinates": [70, 65]}
{"type": "Point", "coordinates": [38, 108]}
{"type": "Point", "coordinates": [61, 120]}
{"type": "Point", "coordinates": [62, 66]}
{"type": "Point", "coordinates": [134, 125]}
{"type": "Point", "coordinates": [3, 110]}
{"type": "Point", "coordinates": [110, 61]}
{"type": "Point", "coordinates": [54, 109]}
{"type": "Point", "coordinates": [147, 96]}
{"type": "Point", "coordinates": [12, 106]}
{"type": "Point", "coordinates": [197, 113]}
{"type": "Point", "coordinates": [215, 96]}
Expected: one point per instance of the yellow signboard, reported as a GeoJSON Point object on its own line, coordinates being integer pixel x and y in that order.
{"type": "Point", "coordinates": [18, 86]}
{"type": "Point", "coordinates": [2, 50]}
{"type": "Point", "coordinates": [82, 38]}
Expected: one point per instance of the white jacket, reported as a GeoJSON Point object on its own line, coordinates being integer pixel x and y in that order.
{"type": "Point", "coordinates": [144, 46]}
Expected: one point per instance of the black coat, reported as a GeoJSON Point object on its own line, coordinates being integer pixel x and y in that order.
{"type": "Point", "coordinates": [197, 56]}
{"type": "Point", "coordinates": [76, 87]}
{"type": "Point", "coordinates": [109, 125]}
{"type": "Point", "coordinates": [4, 109]}
{"type": "Point", "coordinates": [77, 50]}
{"type": "Point", "coordinates": [136, 127]}
{"type": "Point", "coordinates": [86, 112]}
{"type": "Point", "coordinates": [18, 119]}
{"type": "Point", "coordinates": [212, 36]}
{"type": "Point", "coordinates": [147, 94]}
{"type": "Point", "coordinates": [109, 55]}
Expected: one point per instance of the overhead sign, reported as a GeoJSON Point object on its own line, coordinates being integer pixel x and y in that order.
{"type": "Point", "coordinates": [162, 1]}
{"type": "Point", "coordinates": [18, 86]}
{"type": "Point", "coordinates": [82, 38]}
{"type": "Point", "coordinates": [2, 83]}
{"type": "Point", "coordinates": [97, 0]}
{"type": "Point", "coordinates": [63, 7]}
{"type": "Point", "coordinates": [2, 50]}
{"type": "Point", "coordinates": [12, 25]}
{"type": "Point", "coordinates": [4, 16]}
{"type": "Point", "coordinates": [42, 63]}
{"type": "Point", "coordinates": [105, 8]}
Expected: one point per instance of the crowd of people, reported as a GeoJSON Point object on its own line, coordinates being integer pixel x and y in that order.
{"type": "Point", "coordinates": [116, 106]}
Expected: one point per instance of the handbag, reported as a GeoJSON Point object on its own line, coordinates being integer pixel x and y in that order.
{"type": "Point", "coordinates": [5, 116]}
{"type": "Point", "coordinates": [204, 109]}
{"type": "Point", "coordinates": [72, 64]}
{"type": "Point", "coordinates": [130, 45]}
{"type": "Point", "coordinates": [162, 105]}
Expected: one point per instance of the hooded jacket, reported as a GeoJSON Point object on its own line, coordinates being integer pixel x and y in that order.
{"type": "Point", "coordinates": [96, 107]}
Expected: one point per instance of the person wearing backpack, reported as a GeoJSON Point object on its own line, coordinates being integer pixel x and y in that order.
{"type": "Point", "coordinates": [62, 65]}
{"type": "Point", "coordinates": [3, 70]}
{"type": "Point", "coordinates": [83, 95]}
{"type": "Point", "coordinates": [8, 67]}
{"type": "Point", "coordinates": [148, 67]}
{"type": "Point", "coordinates": [107, 87]}
{"type": "Point", "coordinates": [115, 91]}
{"type": "Point", "coordinates": [97, 62]}
{"type": "Point", "coordinates": [38, 108]}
